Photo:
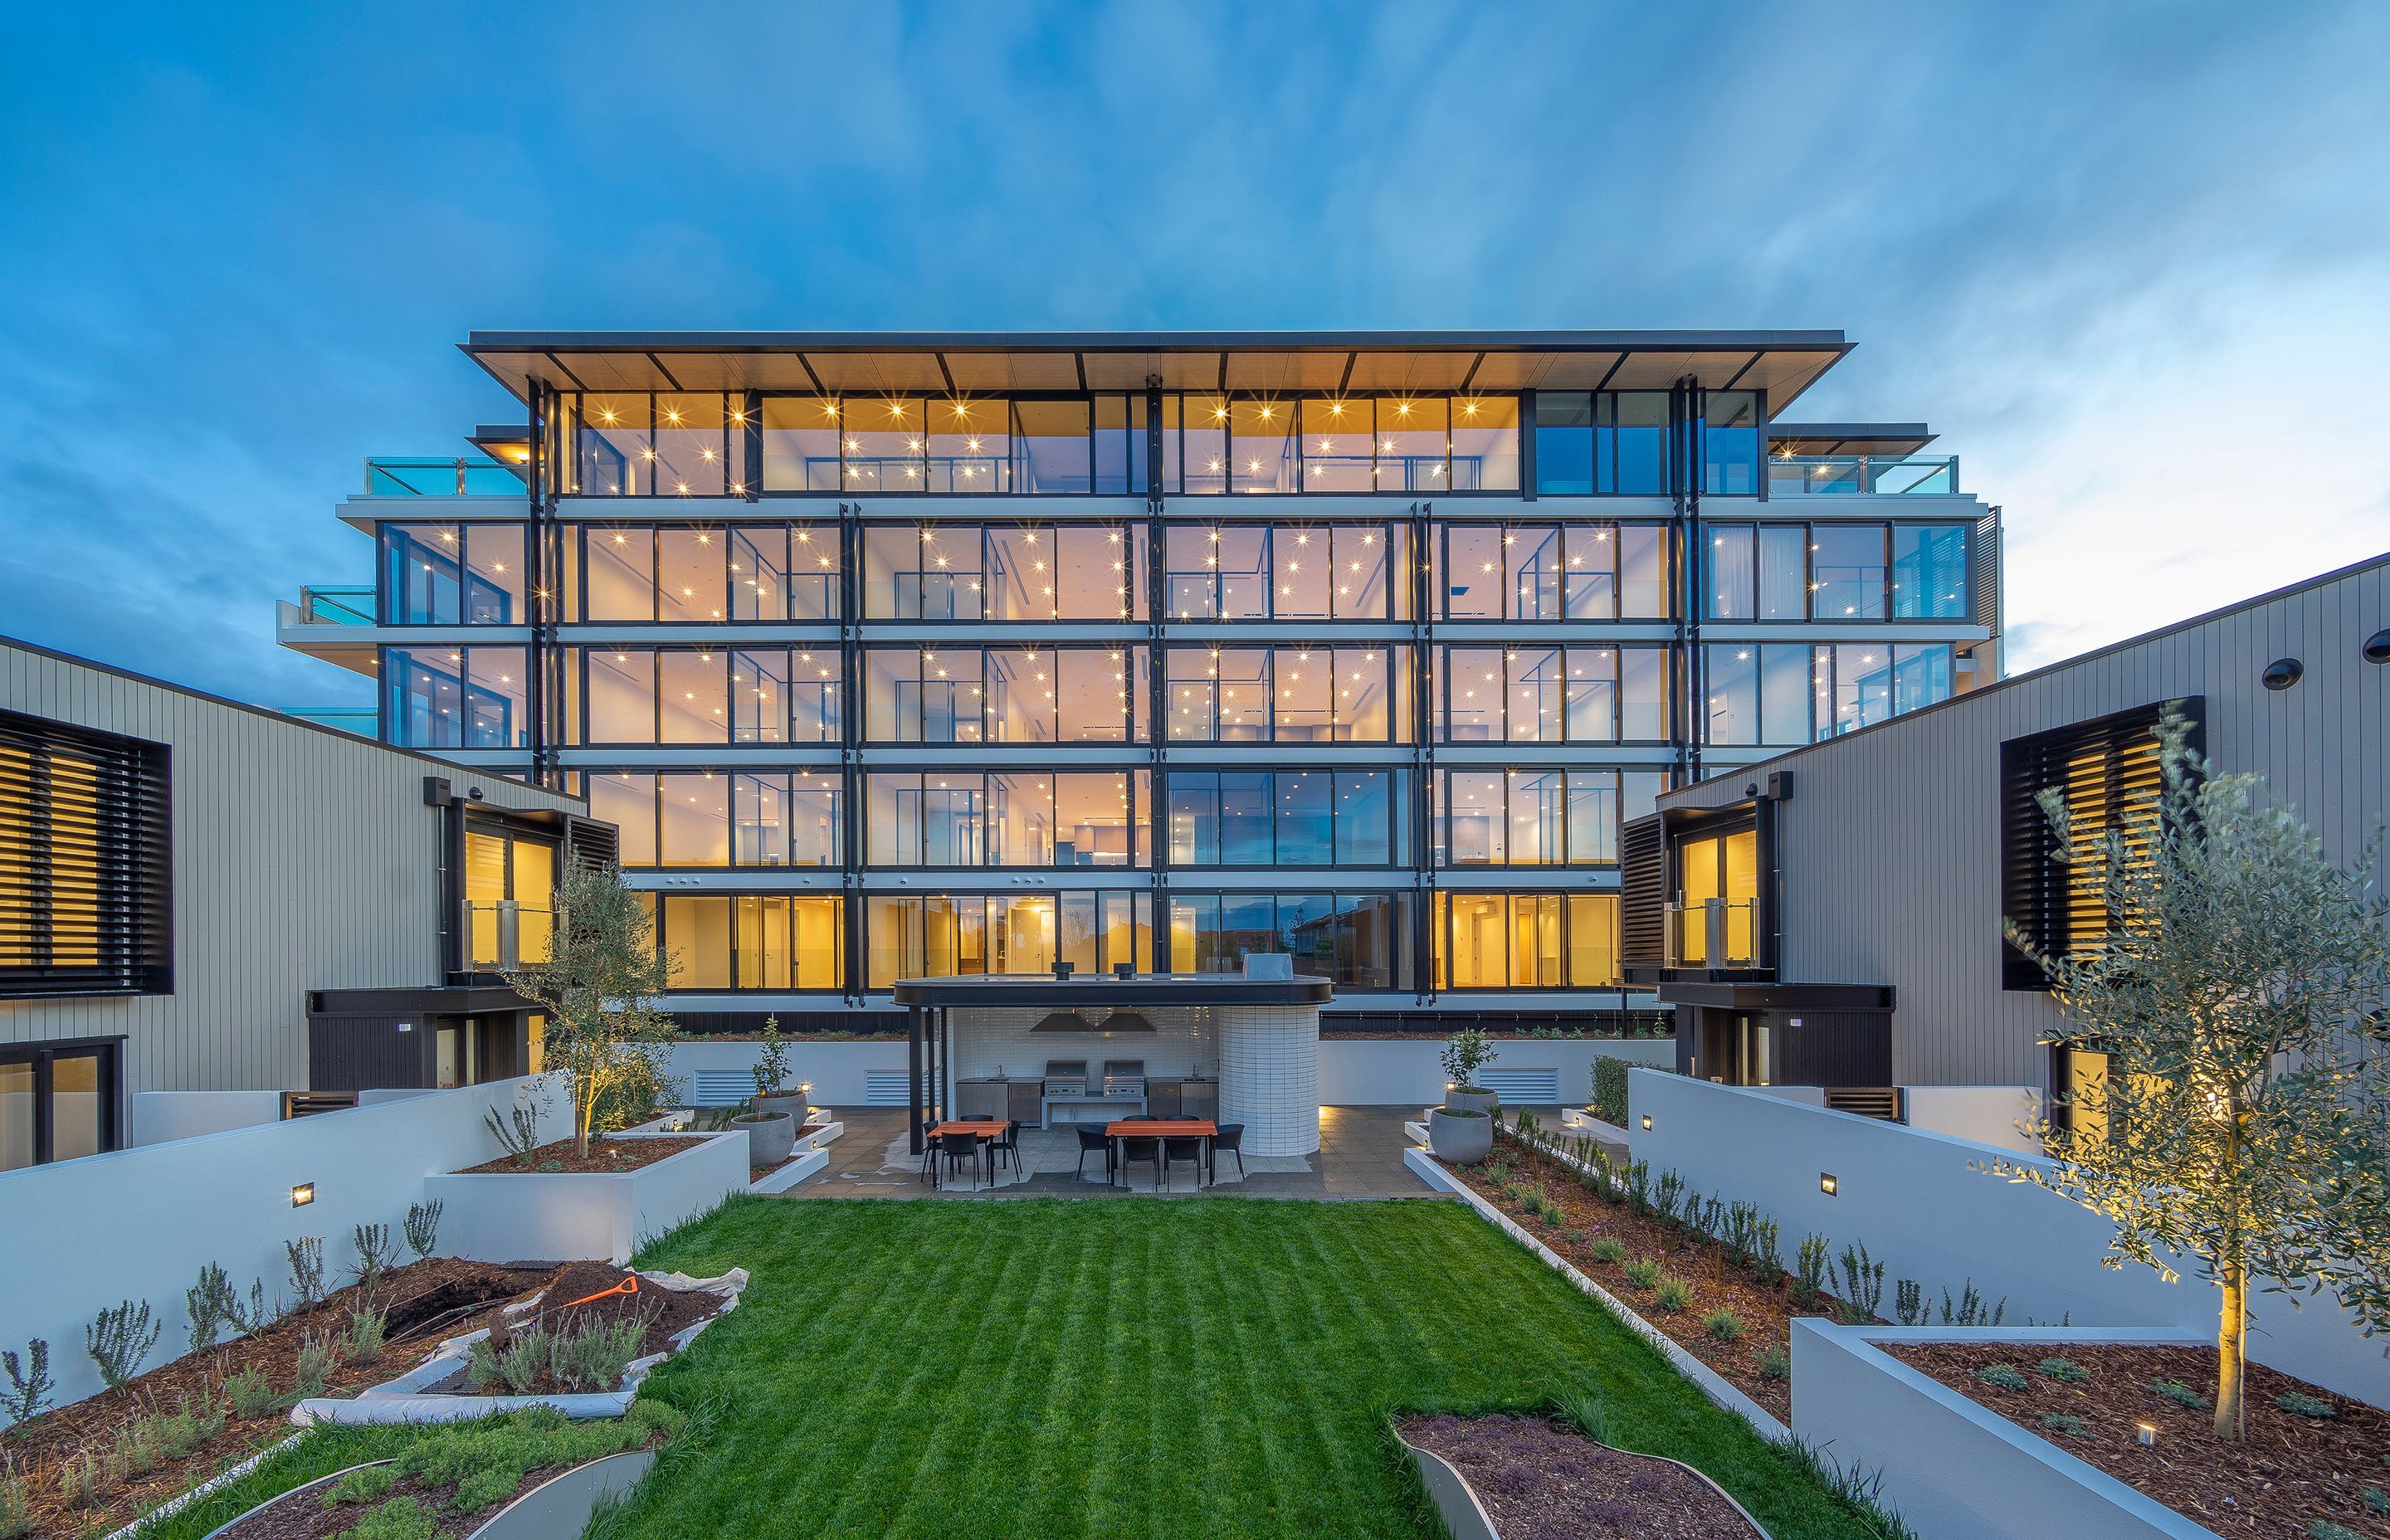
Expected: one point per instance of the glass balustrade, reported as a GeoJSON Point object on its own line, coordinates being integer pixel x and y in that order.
{"type": "Point", "coordinates": [1830, 475]}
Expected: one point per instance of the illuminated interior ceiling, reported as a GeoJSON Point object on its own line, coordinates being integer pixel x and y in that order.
{"type": "Point", "coordinates": [1784, 364]}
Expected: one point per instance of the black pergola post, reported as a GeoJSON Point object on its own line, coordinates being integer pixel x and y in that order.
{"type": "Point", "coordinates": [913, 1055]}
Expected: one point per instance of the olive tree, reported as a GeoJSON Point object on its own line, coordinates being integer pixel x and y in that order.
{"type": "Point", "coordinates": [2239, 993]}
{"type": "Point", "coordinates": [598, 984]}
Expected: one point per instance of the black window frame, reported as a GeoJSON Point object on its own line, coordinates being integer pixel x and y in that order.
{"type": "Point", "coordinates": [125, 828]}
{"type": "Point", "coordinates": [108, 1052]}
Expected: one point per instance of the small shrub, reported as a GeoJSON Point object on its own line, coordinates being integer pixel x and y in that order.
{"type": "Point", "coordinates": [137, 1446]}
{"type": "Point", "coordinates": [1908, 1302]}
{"type": "Point", "coordinates": [2065, 1370]}
{"type": "Point", "coordinates": [1724, 1325]}
{"type": "Point", "coordinates": [306, 1257]}
{"type": "Point", "coordinates": [517, 1365]}
{"type": "Point", "coordinates": [2179, 1394]}
{"type": "Point", "coordinates": [1668, 1195]}
{"type": "Point", "coordinates": [594, 1357]}
{"type": "Point", "coordinates": [2376, 1500]}
{"type": "Point", "coordinates": [361, 1486]}
{"type": "Point", "coordinates": [318, 1356]}
{"type": "Point", "coordinates": [1642, 1273]}
{"type": "Point", "coordinates": [1639, 1185]}
{"type": "Point", "coordinates": [364, 1339]}
{"type": "Point", "coordinates": [1968, 1310]}
{"type": "Point", "coordinates": [1609, 1249]}
{"type": "Point", "coordinates": [1862, 1286]}
{"type": "Point", "coordinates": [2324, 1529]}
{"type": "Point", "coordinates": [1496, 1171]}
{"type": "Point", "coordinates": [1610, 1090]}
{"type": "Point", "coordinates": [1765, 1259]}
{"type": "Point", "coordinates": [1672, 1294]}
{"type": "Point", "coordinates": [1809, 1283]}
{"type": "Point", "coordinates": [16, 1504]}
{"type": "Point", "coordinates": [2005, 1376]}
{"type": "Point", "coordinates": [31, 1384]}
{"type": "Point", "coordinates": [550, 1167]}
{"type": "Point", "coordinates": [399, 1518]}
{"type": "Point", "coordinates": [423, 1227]}
{"type": "Point", "coordinates": [2060, 1422]}
{"type": "Point", "coordinates": [120, 1340]}
{"type": "Point", "coordinates": [376, 1254]}
{"type": "Point", "coordinates": [1774, 1363]}
{"type": "Point", "coordinates": [1553, 1214]}
{"type": "Point", "coordinates": [212, 1306]}
{"type": "Point", "coordinates": [518, 1134]}
{"type": "Point", "coordinates": [660, 1419]}
{"type": "Point", "coordinates": [250, 1393]}
{"type": "Point", "coordinates": [2300, 1405]}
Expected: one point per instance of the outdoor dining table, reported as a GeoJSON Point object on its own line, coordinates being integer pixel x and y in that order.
{"type": "Point", "coordinates": [988, 1129]}
{"type": "Point", "coordinates": [1157, 1128]}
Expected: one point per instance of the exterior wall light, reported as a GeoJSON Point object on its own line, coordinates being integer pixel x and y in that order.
{"type": "Point", "coordinates": [1826, 1183]}
{"type": "Point", "coordinates": [2377, 647]}
{"type": "Point", "coordinates": [302, 1195]}
{"type": "Point", "coordinates": [2281, 673]}
{"type": "Point", "coordinates": [2146, 1435]}
{"type": "Point", "coordinates": [1647, 1123]}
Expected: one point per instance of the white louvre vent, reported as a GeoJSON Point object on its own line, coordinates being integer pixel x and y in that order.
{"type": "Point", "coordinates": [1522, 1087]}
{"type": "Point", "coordinates": [887, 1088]}
{"type": "Point", "coordinates": [720, 1087]}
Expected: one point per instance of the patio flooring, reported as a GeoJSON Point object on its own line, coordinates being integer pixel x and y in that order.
{"type": "Point", "coordinates": [1360, 1157]}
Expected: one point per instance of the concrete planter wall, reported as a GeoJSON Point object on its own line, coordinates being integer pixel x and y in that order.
{"type": "Point", "coordinates": [1955, 1470]}
{"type": "Point", "coordinates": [601, 1216]}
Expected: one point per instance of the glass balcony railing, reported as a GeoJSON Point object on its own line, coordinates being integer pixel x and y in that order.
{"type": "Point", "coordinates": [1714, 933]}
{"type": "Point", "coordinates": [364, 721]}
{"type": "Point", "coordinates": [1821, 475]}
{"type": "Point", "coordinates": [341, 605]}
{"type": "Point", "coordinates": [503, 933]}
{"type": "Point", "coordinates": [429, 477]}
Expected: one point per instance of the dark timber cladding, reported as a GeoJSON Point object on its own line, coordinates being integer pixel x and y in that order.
{"type": "Point", "coordinates": [1784, 364]}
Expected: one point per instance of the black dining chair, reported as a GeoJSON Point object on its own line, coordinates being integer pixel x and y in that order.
{"type": "Point", "coordinates": [1093, 1141]}
{"type": "Point", "coordinates": [1189, 1149]}
{"type": "Point", "coordinates": [1142, 1149]}
{"type": "Point", "coordinates": [1007, 1145]}
{"type": "Point", "coordinates": [1230, 1138]}
{"type": "Point", "coordinates": [958, 1148]}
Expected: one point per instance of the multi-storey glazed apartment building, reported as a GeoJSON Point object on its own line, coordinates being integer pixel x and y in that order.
{"type": "Point", "coordinates": [914, 655]}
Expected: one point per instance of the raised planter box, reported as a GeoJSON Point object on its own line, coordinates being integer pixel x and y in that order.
{"type": "Point", "coordinates": [597, 1216]}
{"type": "Point", "coordinates": [1952, 1469]}
{"type": "Point", "coordinates": [809, 1161]}
{"type": "Point", "coordinates": [557, 1507]}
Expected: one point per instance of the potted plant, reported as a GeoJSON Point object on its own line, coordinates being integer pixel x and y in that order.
{"type": "Point", "coordinates": [772, 1074]}
{"type": "Point", "coordinates": [1469, 1052]}
{"type": "Point", "coordinates": [770, 1136]}
{"type": "Point", "coordinates": [1460, 1135]}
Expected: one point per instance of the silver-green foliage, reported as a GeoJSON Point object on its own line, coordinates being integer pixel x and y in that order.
{"type": "Point", "coordinates": [2243, 1127]}
{"type": "Point", "coordinates": [423, 1227]}
{"type": "Point", "coordinates": [31, 1384]}
{"type": "Point", "coordinates": [306, 1258]}
{"type": "Point", "coordinates": [120, 1340]}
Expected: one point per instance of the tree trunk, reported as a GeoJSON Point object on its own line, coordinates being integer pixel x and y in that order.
{"type": "Point", "coordinates": [2230, 1341]}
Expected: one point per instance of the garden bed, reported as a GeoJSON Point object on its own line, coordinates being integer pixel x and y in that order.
{"type": "Point", "coordinates": [757, 1173]}
{"type": "Point", "coordinates": [2290, 1470]}
{"type": "Point", "coordinates": [607, 1156]}
{"type": "Point", "coordinates": [1530, 1186]}
{"type": "Point", "coordinates": [1538, 1481]}
{"type": "Point", "coordinates": [105, 1436]}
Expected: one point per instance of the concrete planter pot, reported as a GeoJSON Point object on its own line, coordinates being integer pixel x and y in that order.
{"type": "Point", "coordinates": [769, 1137]}
{"type": "Point", "coordinates": [1487, 1102]}
{"type": "Point", "coordinates": [1459, 1138]}
{"type": "Point", "coordinates": [791, 1102]}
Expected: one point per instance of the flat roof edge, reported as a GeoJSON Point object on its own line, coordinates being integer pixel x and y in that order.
{"type": "Point", "coordinates": [1142, 341]}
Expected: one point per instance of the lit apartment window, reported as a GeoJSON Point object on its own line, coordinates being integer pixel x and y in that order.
{"type": "Point", "coordinates": [85, 846]}
{"type": "Point", "coordinates": [2104, 768]}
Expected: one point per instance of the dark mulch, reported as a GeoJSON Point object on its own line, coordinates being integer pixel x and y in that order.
{"type": "Point", "coordinates": [1762, 1301]}
{"type": "Point", "coordinates": [2289, 1471]}
{"type": "Point", "coordinates": [415, 1296]}
{"type": "Point", "coordinates": [302, 1516]}
{"type": "Point", "coordinates": [1541, 1482]}
{"type": "Point", "coordinates": [605, 1154]}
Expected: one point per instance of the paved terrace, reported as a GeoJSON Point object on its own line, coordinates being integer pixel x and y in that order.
{"type": "Point", "coordinates": [1360, 1156]}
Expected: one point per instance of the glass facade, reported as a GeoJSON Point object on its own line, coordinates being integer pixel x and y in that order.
{"type": "Point", "coordinates": [1176, 733]}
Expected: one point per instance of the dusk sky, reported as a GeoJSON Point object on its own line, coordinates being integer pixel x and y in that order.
{"type": "Point", "coordinates": [2132, 262]}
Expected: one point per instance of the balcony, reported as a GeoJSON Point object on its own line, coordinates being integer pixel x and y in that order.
{"type": "Point", "coordinates": [364, 721]}
{"type": "Point", "coordinates": [434, 478]}
{"type": "Point", "coordinates": [1713, 933]}
{"type": "Point", "coordinates": [330, 622]}
{"type": "Point", "coordinates": [502, 933]}
{"type": "Point", "coordinates": [1892, 475]}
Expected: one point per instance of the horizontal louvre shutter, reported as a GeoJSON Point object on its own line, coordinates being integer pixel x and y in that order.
{"type": "Point", "coordinates": [590, 845]}
{"type": "Point", "coordinates": [1643, 894]}
{"type": "Point", "coordinates": [86, 865]}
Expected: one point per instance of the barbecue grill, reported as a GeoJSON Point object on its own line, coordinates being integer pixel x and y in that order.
{"type": "Point", "coordinates": [1125, 1077]}
{"type": "Point", "coordinates": [1066, 1077]}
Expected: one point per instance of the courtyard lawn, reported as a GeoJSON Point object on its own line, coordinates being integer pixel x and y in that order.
{"type": "Point", "coordinates": [1210, 1367]}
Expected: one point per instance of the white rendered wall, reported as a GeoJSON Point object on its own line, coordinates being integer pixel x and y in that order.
{"type": "Point", "coordinates": [1378, 1071]}
{"type": "Point", "coordinates": [155, 1117]}
{"type": "Point", "coordinates": [836, 1070]}
{"type": "Point", "coordinates": [565, 1217]}
{"type": "Point", "coordinates": [141, 1223]}
{"type": "Point", "coordinates": [1985, 1114]}
{"type": "Point", "coordinates": [1910, 1196]}
{"type": "Point", "coordinates": [1269, 1076]}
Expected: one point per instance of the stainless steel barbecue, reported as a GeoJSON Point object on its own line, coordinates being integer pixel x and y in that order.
{"type": "Point", "coordinates": [1125, 1077]}
{"type": "Point", "coordinates": [1066, 1077]}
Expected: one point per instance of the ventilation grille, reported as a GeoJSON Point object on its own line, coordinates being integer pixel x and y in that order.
{"type": "Point", "coordinates": [1643, 894]}
{"type": "Point", "coordinates": [1868, 1101]}
{"type": "Point", "coordinates": [1522, 1087]}
{"type": "Point", "coordinates": [85, 862]}
{"type": "Point", "coordinates": [720, 1087]}
{"type": "Point", "coordinates": [887, 1088]}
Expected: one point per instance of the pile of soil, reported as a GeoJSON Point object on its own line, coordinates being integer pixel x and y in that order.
{"type": "Point", "coordinates": [1542, 1481]}
{"type": "Point", "coordinates": [1764, 1303]}
{"type": "Point", "coordinates": [605, 1155]}
{"type": "Point", "coordinates": [2287, 1472]}
{"type": "Point", "coordinates": [416, 1296]}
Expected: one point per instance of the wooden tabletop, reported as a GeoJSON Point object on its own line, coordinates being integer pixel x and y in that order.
{"type": "Point", "coordinates": [986, 1128]}
{"type": "Point", "coordinates": [1161, 1128]}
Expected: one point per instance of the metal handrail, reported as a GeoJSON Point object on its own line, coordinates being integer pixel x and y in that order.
{"type": "Point", "coordinates": [1714, 933]}
{"type": "Point", "coordinates": [404, 477]}
{"type": "Point", "coordinates": [335, 605]}
{"type": "Point", "coordinates": [1890, 475]}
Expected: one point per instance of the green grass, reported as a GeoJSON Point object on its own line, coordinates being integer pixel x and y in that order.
{"type": "Point", "coordinates": [1208, 1366]}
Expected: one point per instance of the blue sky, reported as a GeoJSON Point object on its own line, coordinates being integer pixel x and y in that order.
{"type": "Point", "coordinates": [2132, 260]}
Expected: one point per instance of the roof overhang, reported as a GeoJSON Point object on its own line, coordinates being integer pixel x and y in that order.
{"type": "Point", "coordinates": [1847, 437]}
{"type": "Point", "coordinates": [1778, 997]}
{"type": "Point", "coordinates": [1783, 362]}
{"type": "Point", "coordinates": [1112, 994]}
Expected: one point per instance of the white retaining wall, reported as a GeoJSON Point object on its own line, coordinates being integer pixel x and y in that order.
{"type": "Point", "coordinates": [78, 1236]}
{"type": "Point", "coordinates": [1354, 1072]}
{"type": "Point", "coordinates": [1985, 1114]}
{"type": "Point", "coordinates": [1952, 1469]}
{"type": "Point", "coordinates": [571, 1216]}
{"type": "Point", "coordinates": [155, 1117]}
{"type": "Point", "coordinates": [1910, 1196]}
